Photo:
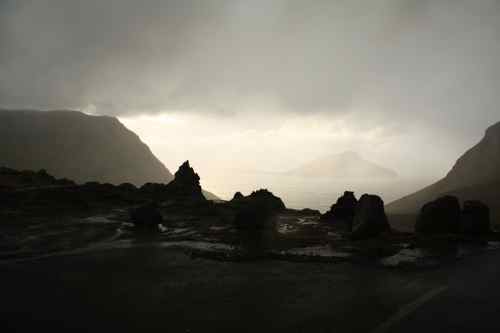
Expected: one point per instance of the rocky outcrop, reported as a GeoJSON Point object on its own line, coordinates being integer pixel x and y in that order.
{"type": "Point", "coordinates": [255, 221]}
{"type": "Point", "coordinates": [475, 218]}
{"type": "Point", "coordinates": [369, 218]}
{"type": "Point", "coordinates": [267, 199]}
{"type": "Point", "coordinates": [237, 196]}
{"type": "Point", "coordinates": [341, 214]}
{"type": "Point", "coordinates": [441, 216]}
{"type": "Point", "coordinates": [73, 145]}
{"type": "Point", "coordinates": [146, 217]}
{"type": "Point", "coordinates": [255, 210]}
{"type": "Point", "coordinates": [364, 218]}
{"type": "Point", "coordinates": [186, 184]}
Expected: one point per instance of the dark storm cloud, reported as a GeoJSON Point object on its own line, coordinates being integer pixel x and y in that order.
{"type": "Point", "coordinates": [434, 63]}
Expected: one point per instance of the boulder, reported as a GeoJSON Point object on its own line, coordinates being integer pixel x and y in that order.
{"type": "Point", "coordinates": [369, 218]}
{"type": "Point", "coordinates": [255, 221]}
{"type": "Point", "coordinates": [146, 216]}
{"type": "Point", "coordinates": [341, 213]}
{"type": "Point", "coordinates": [237, 196]}
{"type": "Point", "coordinates": [475, 218]}
{"type": "Point", "coordinates": [441, 216]}
{"type": "Point", "coordinates": [256, 210]}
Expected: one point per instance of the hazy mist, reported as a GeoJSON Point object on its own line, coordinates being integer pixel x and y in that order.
{"type": "Point", "coordinates": [265, 85]}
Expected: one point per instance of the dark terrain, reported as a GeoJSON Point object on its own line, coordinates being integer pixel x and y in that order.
{"type": "Point", "coordinates": [97, 256]}
{"type": "Point", "coordinates": [74, 259]}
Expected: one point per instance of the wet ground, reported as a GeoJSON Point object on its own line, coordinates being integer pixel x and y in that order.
{"type": "Point", "coordinates": [97, 273]}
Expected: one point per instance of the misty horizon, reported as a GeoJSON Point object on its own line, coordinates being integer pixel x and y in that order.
{"type": "Point", "coordinates": [238, 83]}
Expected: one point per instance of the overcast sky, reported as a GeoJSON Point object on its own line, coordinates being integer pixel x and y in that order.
{"type": "Point", "coordinates": [400, 81]}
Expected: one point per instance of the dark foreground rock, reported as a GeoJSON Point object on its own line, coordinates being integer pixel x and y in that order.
{"type": "Point", "coordinates": [255, 211]}
{"type": "Point", "coordinates": [369, 219]}
{"type": "Point", "coordinates": [440, 216]}
{"type": "Point", "coordinates": [341, 214]}
{"type": "Point", "coordinates": [147, 216]}
{"type": "Point", "coordinates": [475, 218]}
{"type": "Point", "coordinates": [255, 221]}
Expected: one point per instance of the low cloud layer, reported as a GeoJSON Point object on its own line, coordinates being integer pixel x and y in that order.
{"type": "Point", "coordinates": [392, 63]}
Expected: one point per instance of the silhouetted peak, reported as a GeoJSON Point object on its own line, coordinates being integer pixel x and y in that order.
{"type": "Point", "coordinates": [493, 130]}
{"type": "Point", "coordinates": [186, 175]}
{"type": "Point", "coordinates": [237, 196]}
{"type": "Point", "coordinates": [186, 183]}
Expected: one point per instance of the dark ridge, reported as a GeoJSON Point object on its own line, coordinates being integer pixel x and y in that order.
{"type": "Point", "coordinates": [71, 144]}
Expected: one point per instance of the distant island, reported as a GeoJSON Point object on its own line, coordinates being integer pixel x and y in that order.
{"type": "Point", "coordinates": [346, 165]}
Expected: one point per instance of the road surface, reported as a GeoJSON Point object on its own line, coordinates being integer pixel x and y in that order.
{"type": "Point", "coordinates": [152, 289]}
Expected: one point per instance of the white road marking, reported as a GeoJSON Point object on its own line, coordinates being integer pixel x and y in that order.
{"type": "Point", "coordinates": [409, 308]}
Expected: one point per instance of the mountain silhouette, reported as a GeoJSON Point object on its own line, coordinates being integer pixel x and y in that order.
{"type": "Point", "coordinates": [475, 176]}
{"type": "Point", "coordinates": [71, 144]}
{"type": "Point", "coordinates": [346, 165]}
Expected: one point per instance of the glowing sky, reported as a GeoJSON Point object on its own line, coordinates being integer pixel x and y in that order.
{"type": "Point", "coordinates": [265, 85]}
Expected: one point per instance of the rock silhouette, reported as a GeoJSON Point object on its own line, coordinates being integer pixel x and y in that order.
{"type": "Point", "coordinates": [237, 196]}
{"type": "Point", "coordinates": [255, 220]}
{"type": "Point", "coordinates": [441, 216]}
{"type": "Point", "coordinates": [341, 214]}
{"type": "Point", "coordinates": [186, 184]}
{"type": "Point", "coordinates": [369, 218]}
{"type": "Point", "coordinates": [475, 219]}
{"type": "Point", "coordinates": [255, 210]}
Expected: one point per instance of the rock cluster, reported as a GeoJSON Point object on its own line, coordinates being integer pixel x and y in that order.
{"type": "Point", "coordinates": [364, 218]}
{"type": "Point", "coordinates": [370, 219]}
{"type": "Point", "coordinates": [341, 214]}
{"type": "Point", "coordinates": [444, 216]}
{"type": "Point", "coordinates": [256, 210]}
